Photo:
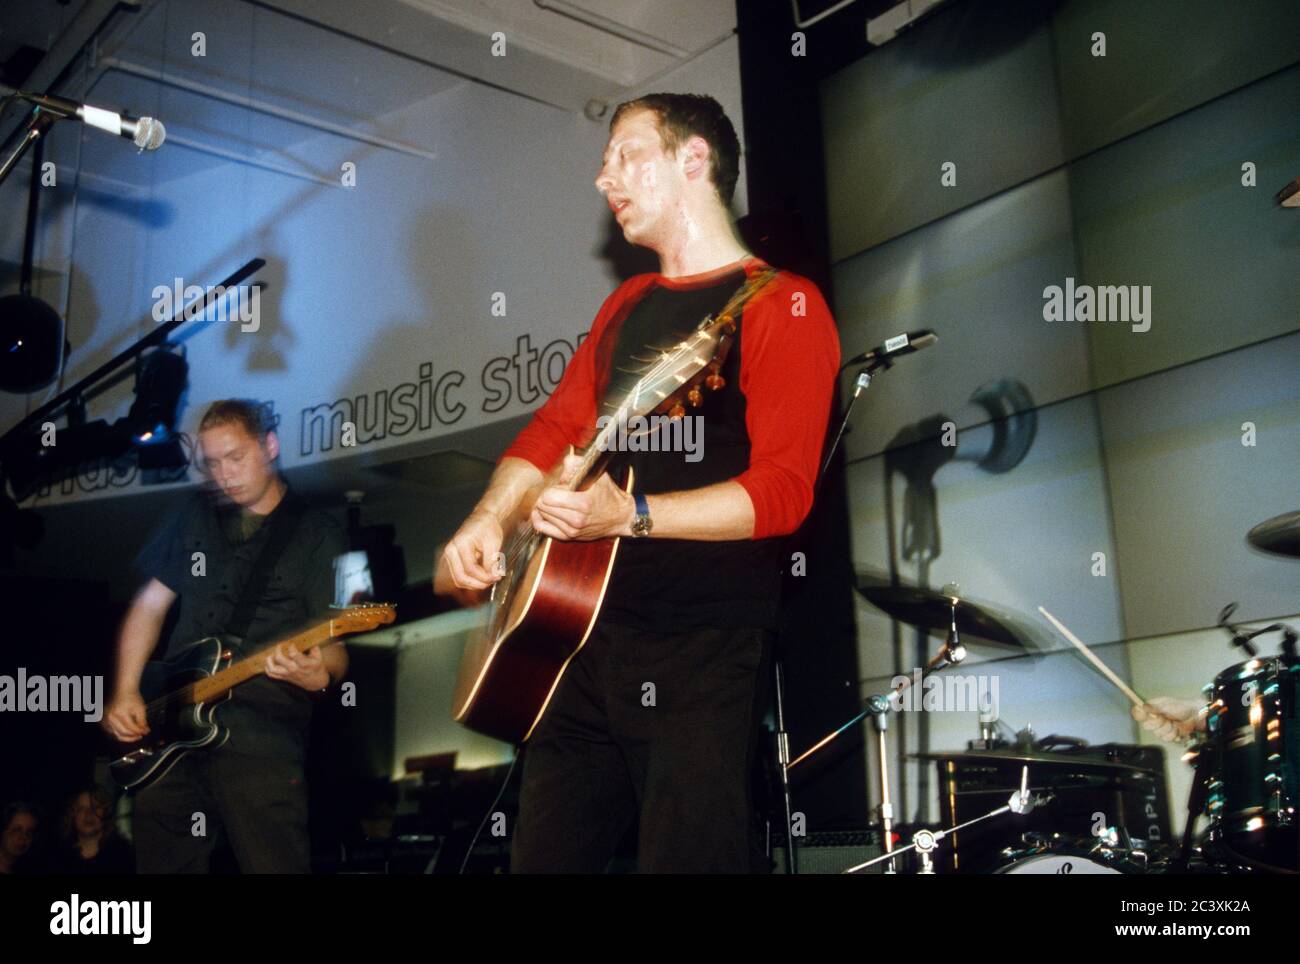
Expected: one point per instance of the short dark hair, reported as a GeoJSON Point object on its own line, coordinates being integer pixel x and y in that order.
{"type": "Point", "coordinates": [256, 417]}
{"type": "Point", "coordinates": [680, 117]}
{"type": "Point", "coordinates": [15, 808]}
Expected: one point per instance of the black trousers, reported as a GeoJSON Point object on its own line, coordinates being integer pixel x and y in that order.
{"type": "Point", "coordinates": [259, 803]}
{"type": "Point", "coordinates": [661, 726]}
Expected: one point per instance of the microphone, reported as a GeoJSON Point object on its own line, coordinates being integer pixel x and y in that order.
{"type": "Point", "coordinates": [895, 347]}
{"type": "Point", "coordinates": [146, 133]}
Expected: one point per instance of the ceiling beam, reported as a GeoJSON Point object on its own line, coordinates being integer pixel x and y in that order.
{"type": "Point", "coordinates": [418, 35]}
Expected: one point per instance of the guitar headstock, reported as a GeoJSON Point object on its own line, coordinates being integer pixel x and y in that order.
{"type": "Point", "coordinates": [677, 366]}
{"type": "Point", "coordinates": [362, 617]}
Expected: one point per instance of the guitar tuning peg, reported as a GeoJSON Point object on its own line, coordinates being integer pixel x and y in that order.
{"type": "Point", "coordinates": [715, 381]}
{"type": "Point", "coordinates": [695, 397]}
{"type": "Point", "coordinates": [677, 411]}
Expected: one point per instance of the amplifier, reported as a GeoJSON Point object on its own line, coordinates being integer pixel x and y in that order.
{"type": "Point", "coordinates": [831, 852]}
{"type": "Point", "coordinates": [1093, 787]}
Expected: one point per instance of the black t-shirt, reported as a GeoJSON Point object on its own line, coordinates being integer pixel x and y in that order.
{"type": "Point", "coordinates": [115, 858]}
{"type": "Point", "coordinates": [675, 585]}
{"type": "Point", "coordinates": [205, 556]}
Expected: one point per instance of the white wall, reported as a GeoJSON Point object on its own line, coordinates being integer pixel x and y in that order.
{"type": "Point", "coordinates": [477, 195]}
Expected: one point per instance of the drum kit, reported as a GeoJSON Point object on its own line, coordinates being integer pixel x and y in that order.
{"type": "Point", "coordinates": [1058, 806]}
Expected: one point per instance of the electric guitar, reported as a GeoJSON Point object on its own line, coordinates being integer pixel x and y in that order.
{"type": "Point", "coordinates": [543, 608]}
{"type": "Point", "coordinates": [184, 693]}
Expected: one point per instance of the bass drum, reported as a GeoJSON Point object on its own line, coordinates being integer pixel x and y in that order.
{"type": "Point", "coordinates": [1058, 864]}
{"type": "Point", "coordinates": [1072, 857]}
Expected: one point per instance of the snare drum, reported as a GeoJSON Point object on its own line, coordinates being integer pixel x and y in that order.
{"type": "Point", "coordinates": [1252, 734]}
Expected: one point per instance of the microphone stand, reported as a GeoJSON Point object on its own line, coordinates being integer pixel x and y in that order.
{"type": "Point", "coordinates": [40, 123]}
{"type": "Point", "coordinates": [925, 842]}
{"type": "Point", "coordinates": [782, 739]}
{"type": "Point", "coordinates": [878, 706]}
{"type": "Point", "coordinates": [781, 736]}
{"type": "Point", "coordinates": [860, 385]}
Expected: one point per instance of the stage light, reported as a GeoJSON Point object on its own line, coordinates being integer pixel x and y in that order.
{"type": "Point", "coordinates": [28, 463]}
{"type": "Point", "coordinates": [158, 388]}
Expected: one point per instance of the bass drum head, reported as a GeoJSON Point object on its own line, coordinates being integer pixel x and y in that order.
{"type": "Point", "coordinates": [1057, 864]}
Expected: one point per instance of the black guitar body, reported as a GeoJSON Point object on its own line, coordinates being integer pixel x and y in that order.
{"type": "Point", "coordinates": [175, 728]}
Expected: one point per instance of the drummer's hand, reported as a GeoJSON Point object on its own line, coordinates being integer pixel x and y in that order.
{"type": "Point", "coordinates": [1170, 719]}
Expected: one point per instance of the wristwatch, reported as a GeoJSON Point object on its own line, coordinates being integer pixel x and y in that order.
{"type": "Point", "coordinates": [642, 523]}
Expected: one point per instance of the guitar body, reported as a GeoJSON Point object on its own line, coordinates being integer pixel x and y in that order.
{"type": "Point", "coordinates": [174, 728]}
{"type": "Point", "coordinates": [183, 694]}
{"type": "Point", "coordinates": [541, 614]}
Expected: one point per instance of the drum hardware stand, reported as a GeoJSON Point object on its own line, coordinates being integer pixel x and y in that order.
{"type": "Point", "coordinates": [1242, 639]}
{"type": "Point", "coordinates": [878, 707]}
{"type": "Point", "coordinates": [1195, 805]}
{"type": "Point", "coordinates": [952, 653]}
{"type": "Point", "coordinates": [1239, 639]}
{"type": "Point", "coordinates": [925, 842]}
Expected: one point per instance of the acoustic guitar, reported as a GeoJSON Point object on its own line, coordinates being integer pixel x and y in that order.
{"type": "Point", "coordinates": [543, 608]}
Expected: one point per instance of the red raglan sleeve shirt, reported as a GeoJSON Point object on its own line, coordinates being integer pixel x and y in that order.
{"type": "Point", "coordinates": [790, 355]}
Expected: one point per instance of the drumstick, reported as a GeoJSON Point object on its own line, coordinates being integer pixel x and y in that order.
{"type": "Point", "coordinates": [1105, 670]}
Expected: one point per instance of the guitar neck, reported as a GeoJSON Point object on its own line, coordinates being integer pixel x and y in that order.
{"type": "Point", "coordinates": [211, 687]}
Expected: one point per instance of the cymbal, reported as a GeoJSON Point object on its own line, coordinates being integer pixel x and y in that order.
{"type": "Point", "coordinates": [1279, 535]}
{"type": "Point", "coordinates": [931, 610]}
{"type": "Point", "coordinates": [1033, 757]}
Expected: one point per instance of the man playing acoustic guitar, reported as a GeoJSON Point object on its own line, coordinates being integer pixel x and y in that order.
{"type": "Point", "coordinates": [657, 716]}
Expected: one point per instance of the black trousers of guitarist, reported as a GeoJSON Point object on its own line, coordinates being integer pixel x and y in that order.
{"type": "Point", "coordinates": [258, 805]}
{"type": "Point", "coordinates": [252, 791]}
{"type": "Point", "coordinates": [660, 725]}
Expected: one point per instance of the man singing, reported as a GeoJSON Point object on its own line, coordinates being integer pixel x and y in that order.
{"type": "Point", "coordinates": [657, 716]}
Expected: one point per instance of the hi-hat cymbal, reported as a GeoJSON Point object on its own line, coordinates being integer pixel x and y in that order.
{"type": "Point", "coordinates": [931, 610]}
{"type": "Point", "coordinates": [1279, 535]}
